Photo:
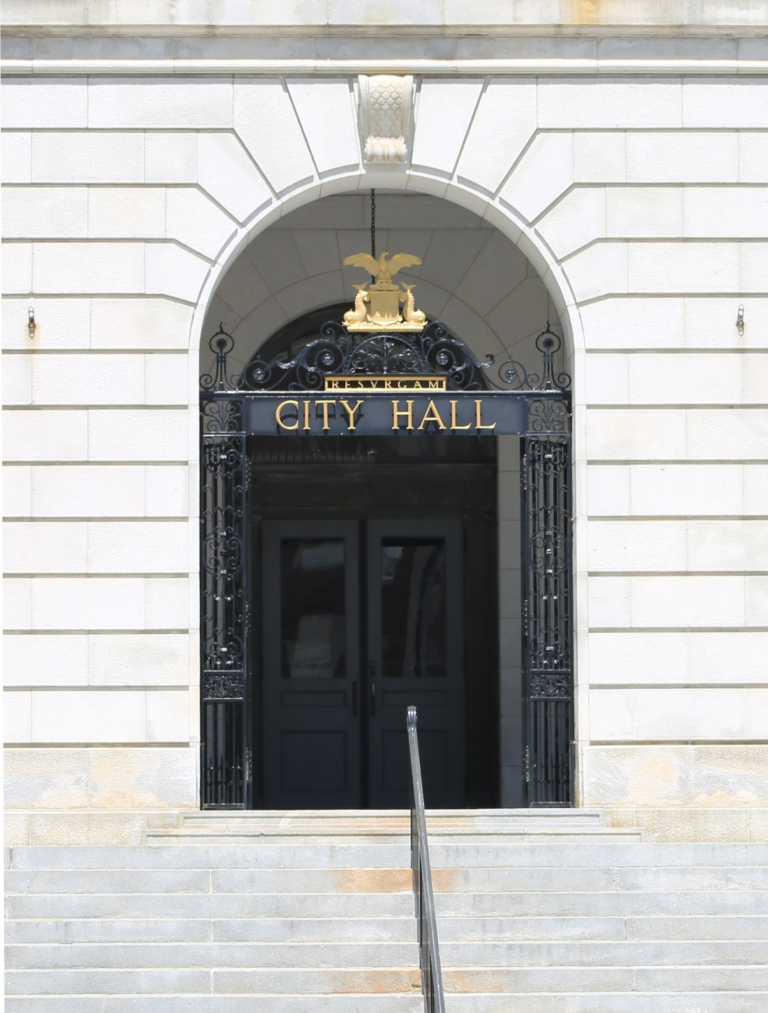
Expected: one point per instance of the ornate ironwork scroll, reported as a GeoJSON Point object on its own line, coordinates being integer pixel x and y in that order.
{"type": "Point", "coordinates": [338, 352]}
{"type": "Point", "coordinates": [547, 607]}
{"type": "Point", "coordinates": [224, 620]}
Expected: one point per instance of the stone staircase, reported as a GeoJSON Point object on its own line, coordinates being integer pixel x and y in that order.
{"type": "Point", "coordinates": [538, 911]}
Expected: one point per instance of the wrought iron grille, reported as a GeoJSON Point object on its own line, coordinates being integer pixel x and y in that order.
{"type": "Point", "coordinates": [225, 605]}
{"type": "Point", "coordinates": [433, 351]}
{"type": "Point", "coordinates": [546, 530]}
{"type": "Point", "coordinates": [547, 612]}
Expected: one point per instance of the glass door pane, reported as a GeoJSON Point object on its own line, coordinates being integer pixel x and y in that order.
{"type": "Point", "coordinates": [415, 643]}
{"type": "Point", "coordinates": [313, 608]}
{"type": "Point", "coordinates": [311, 633]}
{"type": "Point", "coordinates": [413, 608]}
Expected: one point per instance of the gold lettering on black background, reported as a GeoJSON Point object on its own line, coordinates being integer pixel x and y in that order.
{"type": "Point", "coordinates": [479, 416]}
{"type": "Point", "coordinates": [326, 423]}
{"type": "Point", "coordinates": [396, 413]}
{"type": "Point", "coordinates": [279, 414]}
{"type": "Point", "coordinates": [454, 423]}
{"type": "Point", "coordinates": [351, 413]}
{"type": "Point", "coordinates": [432, 415]}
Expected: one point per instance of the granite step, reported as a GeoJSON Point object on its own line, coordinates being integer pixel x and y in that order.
{"type": "Point", "coordinates": [311, 826]}
{"type": "Point", "coordinates": [343, 855]}
{"type": "Point", "coordinates": [549, 1001]}
{"type": "Point", "coordinates": [393, 928]}
{"type": "Point", "coordinates": [596, 926]}
{"type": "Point", "coordinates": [489, 954]}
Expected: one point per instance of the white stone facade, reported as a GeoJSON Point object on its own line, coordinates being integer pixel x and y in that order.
{"type": "Point", "coordinates": [627, 163]}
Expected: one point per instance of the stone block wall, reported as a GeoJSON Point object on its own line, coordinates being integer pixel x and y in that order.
{"type": "Point", "coordinates": [638, 194]}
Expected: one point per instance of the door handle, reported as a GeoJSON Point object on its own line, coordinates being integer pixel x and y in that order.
{"type": "Point", "coordinates": [354, 699]}
{"type": "Point", "coordinates": [373, 687]}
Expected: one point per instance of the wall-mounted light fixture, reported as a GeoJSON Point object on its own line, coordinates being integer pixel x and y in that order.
{"type": "Point", "coordinates": [740, 321]}
{"type": "Point", "coordinates": [31, 325]}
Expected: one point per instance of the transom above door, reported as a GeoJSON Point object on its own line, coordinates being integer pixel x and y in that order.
{"type": "Point", "coordinates": [361, 618]}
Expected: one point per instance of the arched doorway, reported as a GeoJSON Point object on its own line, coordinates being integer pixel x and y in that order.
{"type": "Point", "coordinates": [506, 609]}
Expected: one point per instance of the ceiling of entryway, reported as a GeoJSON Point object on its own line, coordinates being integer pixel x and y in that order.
{"type": "Point", "coordinates": [473, 278]}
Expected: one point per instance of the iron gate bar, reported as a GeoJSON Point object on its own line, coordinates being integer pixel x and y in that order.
{"type": "Point", "coordinates": [547, 619]}
{"type": "Point", "coordinates": [546, 500]}
{"type": "Point", "coordinates": [224, 591]}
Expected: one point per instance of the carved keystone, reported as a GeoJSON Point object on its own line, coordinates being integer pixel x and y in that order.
{"type": "Point", "coordinates": [385, 117]}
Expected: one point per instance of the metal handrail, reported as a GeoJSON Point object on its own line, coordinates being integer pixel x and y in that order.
{"type": "Point", "coordinates": [429, 952]}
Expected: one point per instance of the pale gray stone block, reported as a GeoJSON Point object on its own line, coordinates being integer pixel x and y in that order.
{"type": "Point", "coordinates": [494, 953]}
{"type": "Point", "coordinates": [107, 930]}
{"type": "Point", "coordinates": [185, 906]}
{"type": "Point", "coordinates": [387, 1003]}
{"type": "Point", "coordinates": [311, 929]}
{"type": "Point", "coordinates": [610, 1002]}
{"type": "Point", "coordinates": [161, 981]}
{"type": "Point", "coordinates": [280, 955]}
{"type": "Point", "coordinates": [109, 881]}
{"type": "Point", "coordinates": [574, 905]}
{"type": "Point", "coordinates": [711, 927]}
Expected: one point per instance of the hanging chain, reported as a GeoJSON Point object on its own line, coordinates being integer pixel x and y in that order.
{"type": "Point", "coordinates": [373, 228]}
{"type": "Point", "coordinates": [373, 224]}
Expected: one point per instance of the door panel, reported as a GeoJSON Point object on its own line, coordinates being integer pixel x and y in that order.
{"type": "Point", "coordinates": [311, 628]}
{"type": "Point", "coordinates": [415, 656]}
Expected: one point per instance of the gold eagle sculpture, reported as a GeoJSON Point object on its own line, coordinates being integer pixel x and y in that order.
{"type": "Point", "coordinates": [383, 268]}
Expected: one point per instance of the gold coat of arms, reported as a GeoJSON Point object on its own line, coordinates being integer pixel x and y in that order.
{"type": "Point", "coordinates": [377, 307]}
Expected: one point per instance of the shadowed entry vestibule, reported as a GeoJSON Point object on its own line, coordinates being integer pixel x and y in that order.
{"type": "Point", "coordinates": [376, 574]}
{"type": "Point", "coordinates": [350, 569]}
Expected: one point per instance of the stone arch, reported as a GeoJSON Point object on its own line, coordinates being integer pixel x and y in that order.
{"type": "Point", "coordinates": [501, 217]}
{"type": "Point", "coordinates": [532, 246]}
{"type": "Point", "coordinates": [473, 277]}
{"type": "Point", "coordinates": [512, 240]}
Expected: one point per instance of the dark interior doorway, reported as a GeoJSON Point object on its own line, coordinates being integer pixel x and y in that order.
{"type": "Point", "coordinates": [375, 586]}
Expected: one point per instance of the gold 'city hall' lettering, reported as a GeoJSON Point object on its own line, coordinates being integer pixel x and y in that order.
{"type": "Point", "coordinates": [432, 415]}
{"type": "Point", "coordinates": [454, 423]}
{"type": "Point", "coordinates": [279, 414]}
{"type": "Point", "coordinates": [292, 421]}
{"type": "Point", "coordinates": [325, 404]}
{"type": "Point", "coordinates": [396, 413]}
{"type": "Point", "coordinates": [351, 413]}
{"type": "Point", "coordinates": [479, 416]}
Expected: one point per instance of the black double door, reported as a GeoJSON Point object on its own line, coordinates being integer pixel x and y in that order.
{"type": "Point", "coordinates": [361, 618]}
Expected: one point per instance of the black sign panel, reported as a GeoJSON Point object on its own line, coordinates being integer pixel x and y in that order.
{"type": "Point", "coordinates": [340, 413]}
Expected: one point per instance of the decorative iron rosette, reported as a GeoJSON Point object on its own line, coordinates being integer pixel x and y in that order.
{"type": "Point", "coordinates": [223, 685]}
